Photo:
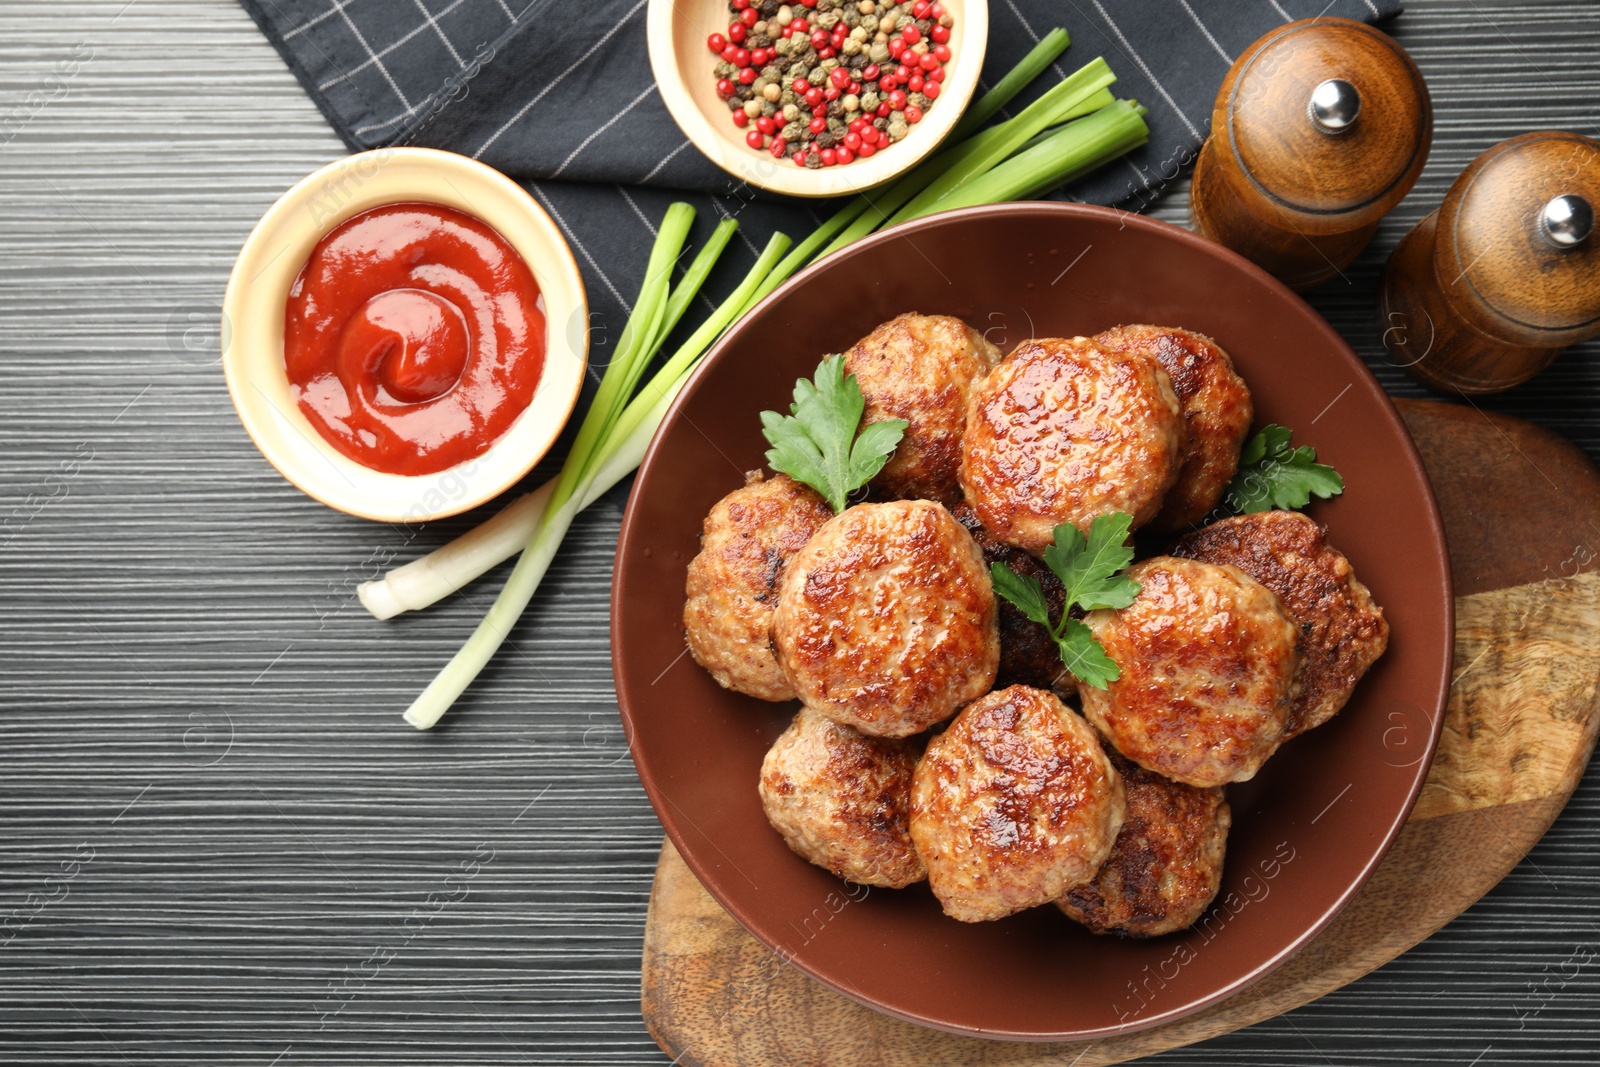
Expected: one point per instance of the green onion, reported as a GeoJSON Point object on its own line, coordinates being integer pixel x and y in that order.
{"type": "Point", "coordinates": [1071, 150]}
{"type": "Point", "coordinates": [1047, 111]}
{"type": "Point", "coordinates": [1046, 52]}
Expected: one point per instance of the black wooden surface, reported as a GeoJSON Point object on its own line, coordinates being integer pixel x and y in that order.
{"type": "Point", "coordinates": [219, 843]}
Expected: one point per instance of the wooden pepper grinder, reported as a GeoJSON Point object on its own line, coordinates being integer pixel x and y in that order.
{"type": "Point", "coordinates": [1320, 128]}
{"type": "Point", "coordinates": [1483, 293]}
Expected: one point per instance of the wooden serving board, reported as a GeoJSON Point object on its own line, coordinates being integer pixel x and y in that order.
{"type": "Point", "coordinates": [1521, 510]}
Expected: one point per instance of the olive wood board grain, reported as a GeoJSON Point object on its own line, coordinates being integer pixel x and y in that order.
{"type": "Point", "coordinates": [1521, 509]}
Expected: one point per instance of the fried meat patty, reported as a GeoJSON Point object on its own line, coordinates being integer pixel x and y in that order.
{"type": "Point", "coordinates": [1013, 804]}
{"type": "Point", "coordinates": [1166, 865]}
{"type": "Point", "coordinates": [921, 368]}
{"type": "Point", "coordinates": [733, 581]}
{"type": "Point", "coordinates": [1217, 410]}
{"type": "Point", "coordinates": [1208, 659]}
{"type": "Point", "coordinates": [843, 800]}
{"type": "Point", "coordinates": [1342, 630]}
{"type": "Point", "coordinates": [886, 619]}
{"type": "Point", "coordinates": [1064, 430]}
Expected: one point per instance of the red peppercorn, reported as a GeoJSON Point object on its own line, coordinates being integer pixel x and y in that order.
{"type": "Point", "coordinates": [852, 140]}
{"type": "Point", "coordinates": [941, 54]}
{"type": "Point", "coordinates": [911, 34]}
{"type": "Point", "coordinates": [800, 86]}
{"type": "Point", "coordinates": [897, 101]}
{"type": "Point", "coordinates": [931, 90]}
{"type": "Point", "coordinates": [788, 32]}
{"type": "Point", "coordinates": [754, 139]}
{"type": "Point", "coordinates": [940, 35]}
{"type": "Point", "coordinates": [740, 119]}
{"type": "Point", "coordinates": [896, 46]}
{"type": "Point", "coordinates": [808, 3]}
{"type": "Point", "coordinates": [928, 62]}
{"type": "Point", "coordinates": [869, 73]}
{"type": "Point", "coordinates": [936, 10]}
{"type": "Point", "coordinates": [854, 87]}
{"type": "Point", "coordinates": [799, 159]}
{"type": "Point", "coordinates": [740, 5]}
{"type": "Point", "coordinates": [856, 124]}
{"type": "Point", "coordinates": [813, 96]}
{"type": "Point", "coordinates": [887, 85]}
{"type": "Point", "coordinates": [818, 124]}
{"type": "Point", "coordinates": [729, 52]}
{"type": "Point", "coordinates": [828, 157]}
{"type": "Point", "coordinates": [902, 72]}
{"type": "Point", "coordinates": [749, 16]}
{"type": "Point", "coordinates": [747, 76]}
{"type": "Point", "coordinates": [725, 88]}
{"type": "Point", "coordinates": [826, 53]}
{"type": "Point", "coordinates": [866, 151]}
{"type": "Point", "coordinates": [884, 109]}
{"type": "Point", "coordinates": [819, 39]}
{"type": "Point", "coordinates": [936, 76]}
{"type": "Point", "coordinates": [766, 125]}
{"type": "Point", "coordinates": [800, 26]}
{"type": "Point", "coordinates": [921, 8]}
{"type": "Point", "coordinates": [840, 77]}
{"type": "Point", "coordinates": [741, 57]}
{"type": "Point", "coordinates": [915, 84]}
{"type": "Point", "coordinates": [842, 156]}
{"type": "Point", "coordinates": [831, 94]}
{"type": "Point", "coordinates": [778, 146]}
{"type": "Point", "coordinates": [737, 32]}
{"type": "Point", "coordinates": [913, 113]}
{"type": "Point", "coordinates": [716, 42]}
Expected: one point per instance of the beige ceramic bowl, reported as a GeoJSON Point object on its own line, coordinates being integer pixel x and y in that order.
{"type": "Point", "coordinates": [252, 323]}
{"type": "Point", "coordinates": [683, 68]}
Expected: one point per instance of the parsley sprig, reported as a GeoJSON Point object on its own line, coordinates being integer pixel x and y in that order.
{"type": "Point", "coordinates": [1273, 475]}
{"type": "Point", "coordinates": [814, 444]}
{"type": "Point", "coordinates": [1091, 571]}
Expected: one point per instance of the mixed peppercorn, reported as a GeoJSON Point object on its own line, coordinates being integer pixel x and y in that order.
{"type": "Point", "coordinates": [826, 82]}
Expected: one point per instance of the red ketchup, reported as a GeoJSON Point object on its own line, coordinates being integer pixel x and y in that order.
{"type": "Point", "coordinates": [413, 338]}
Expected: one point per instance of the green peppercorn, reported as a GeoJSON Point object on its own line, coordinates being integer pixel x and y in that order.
{"type": "Point", "coordinates": [870, 100]}
{"type": "Point", "coordinates": [878, 53]}
{"type": "Point", "coordinates": [817, 76]}
{"type": "Point", "coordinates": [898, 129]}
{"type": "Point", "coordinates": [919, 101]}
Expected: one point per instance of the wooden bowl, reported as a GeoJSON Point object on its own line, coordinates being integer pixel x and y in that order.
{"type": "Point", "coordinates": [271, 259]}
{"type": "Point", "coordinates": [1307, 831]}
{"type": "Point", "coordinates": [683, 69]}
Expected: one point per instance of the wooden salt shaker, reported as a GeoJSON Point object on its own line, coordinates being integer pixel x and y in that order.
{"type": "Point", "coordinates": [1320, 128]}
{"type": "Point", "coordinates": [1483, 293]}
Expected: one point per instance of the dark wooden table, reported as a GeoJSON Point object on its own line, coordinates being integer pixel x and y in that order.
{"type": "Point", "coordinates": [218, 842]}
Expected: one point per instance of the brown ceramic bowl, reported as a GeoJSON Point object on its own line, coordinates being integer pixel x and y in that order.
{"type": "Point", "coordinates": [1307, 831]}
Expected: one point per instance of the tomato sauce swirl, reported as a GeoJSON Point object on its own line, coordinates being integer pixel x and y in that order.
{"type": "Point", "coordinates": [413, 338]}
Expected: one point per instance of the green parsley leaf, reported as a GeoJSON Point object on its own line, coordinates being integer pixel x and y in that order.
{"type": "Point", "coordinates": [1274, 475]}
{"type": "Point", "coordinates": [813, 444]}
{"type": "Point", "coordinates": [1086, 657]}
{"type": "Point", "coordinates": [1023, 590]}
{"type": "Point", "coordinates": [1091, 571]}
{"type": "Point", "coordinates": [1090, 566]}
